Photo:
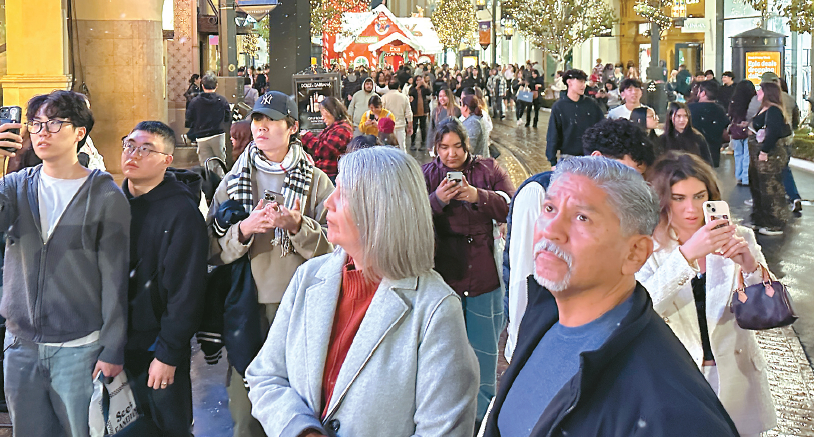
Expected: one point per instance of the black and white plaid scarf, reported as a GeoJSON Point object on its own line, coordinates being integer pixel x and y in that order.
{"type": "Point", "coordinates": [298, 168]}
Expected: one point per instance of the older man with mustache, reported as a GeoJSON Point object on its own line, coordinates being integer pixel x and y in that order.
{"type": "Point", "coordinates": [594, 359]}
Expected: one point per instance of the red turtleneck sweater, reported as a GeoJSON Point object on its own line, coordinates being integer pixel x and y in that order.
{"type": "Point", "coordinates": [354, 299]}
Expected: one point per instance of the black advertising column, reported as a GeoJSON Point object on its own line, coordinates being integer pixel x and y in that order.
{"type": "Point", "coordinates": [289, 42]}
{"type": "Point", "coordinates": [757, 51]}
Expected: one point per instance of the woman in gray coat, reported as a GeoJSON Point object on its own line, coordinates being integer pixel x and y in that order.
{"type": "Point", "coordinates": [472, 116]}
{"type": "Point", "coordinates": [369, 340]}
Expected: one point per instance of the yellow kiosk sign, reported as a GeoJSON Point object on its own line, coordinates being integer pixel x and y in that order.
{"type": "Point", "coordinates": [758, 63]}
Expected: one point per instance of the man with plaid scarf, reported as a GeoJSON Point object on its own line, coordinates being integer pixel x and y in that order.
{"type": "Point", "coordinates": [276, 182]}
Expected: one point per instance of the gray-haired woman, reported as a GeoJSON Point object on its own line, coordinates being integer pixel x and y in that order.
{"type": "Point", "coordinates": [369, 341]}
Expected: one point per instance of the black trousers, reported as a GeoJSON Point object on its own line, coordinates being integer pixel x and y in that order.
{"type": "Point", "coordinates": [418, 121]}
{"type": "Point", "coordinates": [169, 409]}
{"type": "Point", "coordinates": [536, 105]}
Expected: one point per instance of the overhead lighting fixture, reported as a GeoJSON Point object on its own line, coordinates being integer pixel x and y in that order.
{"type": "Point", "coordinates": [257, 9]}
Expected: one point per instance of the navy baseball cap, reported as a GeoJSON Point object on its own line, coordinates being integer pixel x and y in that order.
{"type": "Point", "coordinates": [275, 105]}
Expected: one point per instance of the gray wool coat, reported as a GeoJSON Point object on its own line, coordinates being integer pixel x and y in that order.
{"type": "Point", "coordinates": [410, 370]}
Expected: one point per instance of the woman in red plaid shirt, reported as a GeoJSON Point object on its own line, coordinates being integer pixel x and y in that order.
{"type": "Point", "coordinates": [330, 144]}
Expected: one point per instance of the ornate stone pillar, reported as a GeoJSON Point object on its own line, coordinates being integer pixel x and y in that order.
{"type": "Point", "coordinates": [36, 57]}
{"type": "Point", "coordinates": [181, 61]}
{"type": "Point", "coordinates": [122, 56]}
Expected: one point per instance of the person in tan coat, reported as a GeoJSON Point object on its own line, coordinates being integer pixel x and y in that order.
{"type": "Point", "coordinates": [277, 182]}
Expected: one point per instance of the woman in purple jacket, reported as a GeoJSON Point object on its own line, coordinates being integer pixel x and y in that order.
{"type": "Point", "coordinates": [465, 208]}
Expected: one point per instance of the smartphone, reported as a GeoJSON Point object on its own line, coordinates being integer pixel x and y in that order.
{"type": "Point", "coordinates": [272, 196]}
{"type": "Point", "coordinates": [372, 117]}
{"type": "Point", "coordinates": [716, 210]}
{"type": "Point", "coordinates": [455, 176]}
{"type": "Point", "coordinates": [11, 114]}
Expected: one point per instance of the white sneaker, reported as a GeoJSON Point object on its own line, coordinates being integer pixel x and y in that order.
{"type": "Point", "coordinates": [519, 122]}
{"type": "Point", "coordinates": [749, 202]}
{"type": "Point", "coordinates": [771, 232]}
{"type": "Point", "coordinates": [797, 205]}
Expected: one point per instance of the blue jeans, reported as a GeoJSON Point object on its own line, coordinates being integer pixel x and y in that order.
{"type": "Point", "coordinates": [48, 388]}
{"type": "Point", "coordinates": [741, 149]}
{"type": "Point", "coordinates": [484, 322]}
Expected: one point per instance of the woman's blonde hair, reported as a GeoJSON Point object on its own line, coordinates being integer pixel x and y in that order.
{"type": "Point", "coordinates": [385, 191]}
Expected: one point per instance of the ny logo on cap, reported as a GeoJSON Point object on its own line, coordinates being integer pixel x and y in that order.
{"type": "Point", "coordinates": [266, 99]}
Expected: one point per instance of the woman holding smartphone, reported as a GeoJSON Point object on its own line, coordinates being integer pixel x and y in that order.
{"type": "Point", "coordinates": [691, 276]}
{"type": "Point", "coordinates": [464, 214]}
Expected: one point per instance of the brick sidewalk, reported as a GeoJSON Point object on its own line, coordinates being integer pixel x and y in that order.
{"type": "Point", "coordinates": [790, 374]}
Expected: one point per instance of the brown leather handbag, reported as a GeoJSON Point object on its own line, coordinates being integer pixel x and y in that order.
{"type": "Point", "coordinates": [761, 306]}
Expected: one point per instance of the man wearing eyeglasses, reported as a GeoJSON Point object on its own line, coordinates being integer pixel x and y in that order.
{"type": "Point", "coordinates": [65, 273]}
{"type": "Point", "coordinates": [168, 251]}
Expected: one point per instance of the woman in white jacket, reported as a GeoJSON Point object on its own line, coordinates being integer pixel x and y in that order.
{"type": "Point", "coordinates": [691, 277]}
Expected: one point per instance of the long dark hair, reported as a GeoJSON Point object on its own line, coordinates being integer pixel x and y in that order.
{"type": "Point", "coordinates": [688, 140]}
{"type": "Point", "coordinates": [335, 107]}
{"type": "Point", "coordinates": [454, 126]}
{"type": "Point", "coordinates": [772, 96]}
{"type": "Point", "coordinates": [673, 167]}
{"type": "Point", "coordinates": [744, 92]}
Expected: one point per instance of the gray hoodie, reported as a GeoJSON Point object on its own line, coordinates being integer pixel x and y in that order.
{"type": "Point", "coordinates": [358, 104]}
{"type": "Point", "coordinates": [76, 281]}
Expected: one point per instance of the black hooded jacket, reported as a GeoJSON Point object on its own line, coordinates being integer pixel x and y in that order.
{"type": "Point", "coordinates": [168, 250]}
{"type": "Point", "coordinates": [641, 382]}
{"type": "Point", "coordinates": [207, 113]}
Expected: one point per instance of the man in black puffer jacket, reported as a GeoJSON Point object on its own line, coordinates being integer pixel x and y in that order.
{"type": "Point", "coordinates": [167, 276]}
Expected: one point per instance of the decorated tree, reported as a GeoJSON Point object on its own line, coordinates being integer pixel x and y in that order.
{"type": "Point", "coordinates": [557, 26]}
{"type": "Point", "coordinates": [801, 15]}
{"type": "Point", "coordinates": [455, 23]}
{"type": "Point", "coordinates": [326, 15]}
{"type": "Point", "coordinates": [653, 12]}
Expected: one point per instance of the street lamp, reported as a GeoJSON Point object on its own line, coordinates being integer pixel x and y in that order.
{"type": "Point", "coordinates": [258, 9]}
{"type": "Point", "coordinates": [508, 31]}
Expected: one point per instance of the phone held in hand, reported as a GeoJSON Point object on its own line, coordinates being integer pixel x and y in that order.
{"type": "Point", "coordinates": [455, 177]}
{"type": "Point", "coordinates": [716, 210]}
{"type": "Point", "coordinates": [273, 196]}
{"type": "Point", "coordinates": [11, 114]}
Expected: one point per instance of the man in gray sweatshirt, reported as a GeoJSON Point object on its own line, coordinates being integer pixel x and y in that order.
{"type": "Point", "coordinates": [358, 104]}
{"type": "Point", "coordinates": [65, 273]}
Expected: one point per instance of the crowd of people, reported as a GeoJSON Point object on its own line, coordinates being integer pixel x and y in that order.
{"type": "Point", "coordinates": [359, 293]}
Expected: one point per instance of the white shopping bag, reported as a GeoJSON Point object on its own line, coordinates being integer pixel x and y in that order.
{"type": "Point", "coordinates": [112, 406]}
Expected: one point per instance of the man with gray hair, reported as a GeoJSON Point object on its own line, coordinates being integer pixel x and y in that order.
{"type": "Point", "coordinates": [595, 359]}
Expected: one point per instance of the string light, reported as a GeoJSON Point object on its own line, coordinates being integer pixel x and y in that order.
{"type": "Point", "coordinates": [557, 26]}
{"type": "Point", "coordinates": [455, 23]}
{"type": "Point", "coordinates": [655, 13]}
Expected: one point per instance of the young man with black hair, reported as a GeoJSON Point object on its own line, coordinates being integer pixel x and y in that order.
{"type": "Point", "coordinates": [726, 90]}
{"type": "Point", "coordinates": [65, 284]}
{"type": "Point", "coordinates": [683, 81]}
{"type": "Point", "coordinates": [570, 117]}
{"type": "Point", "coordinates": [168, 251]}
{"type": "Point", "coordinates": [709, 117]}
{"type": "Point", "coordinates": [631, 91]}
{"type": "Point", "coordinates": [620, 140]}
{"type": "Point", "coordinates": [207, 115]}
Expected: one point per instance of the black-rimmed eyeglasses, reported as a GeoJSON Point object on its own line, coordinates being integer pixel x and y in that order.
{"type": "Point", "coordinates": [52, 126]}
{"type": "Point", "coordinates": [140, 151]}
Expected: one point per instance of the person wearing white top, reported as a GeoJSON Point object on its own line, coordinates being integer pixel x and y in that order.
{"type": "Point", "coordinates": [631, 92]}
{"type": "Point", "coordinates": [691, 276]}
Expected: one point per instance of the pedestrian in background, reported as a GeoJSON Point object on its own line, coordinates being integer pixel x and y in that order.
{"type": "Point", "coordinates": [369, 341]}
{"type": "Point", "coordinates": [399, 105]}
{"type": "Point", "coordinates": [446, 108]}
{"type": "Point", "coordinates": [738, 129]}
{"type": "Point", "coordinates": [420, 105]}
{"type": "Point", "coordinates": [537, 88]}
{"type": "Point", "coordinates": [631, 92]}
{"type": "Point", "coordinates": [168, 252]}
{"type": "Point", "coordinates": [680, 135]}
{"type": "Point", "coordinates": [472, 122]}
{"type": "Point", "coordinates": [386, 136]}
{"type": "Point", "coordinates": [709, 118]}
{"type": "Point", "coordinates": [690, 278]}
{"type": "Point", "coordinates": [645, 117]}
{"type": "Point", "coordinates": [250, 94]}
{"type": "Point", "coordinates": [570, 118]}
{"type": "Point", "coordinates": [194, 88]}
{"type": "Point", "coordinates": [727, 89]}
{"type": "Point", "coordinates": [790, 104]}
{"type": "Point", "coordinates": [464, 214]}
{"type": "Point", "coordinates": [369, 125]}
{"type": "Point", "coordinates": [206, 116]}
{"type": "Point", "coordinates": [359, 104]}
{"type": "Point", "coordinates": [330, 144]}
{"type": "Point", "coordinates": [241, 135]}
{"type": "Point", "coordinates": [612, 91]}
{"type": "Point", "coordinates": [771, 213]}
{"type": "Point", "coordinates": [276, 237]}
